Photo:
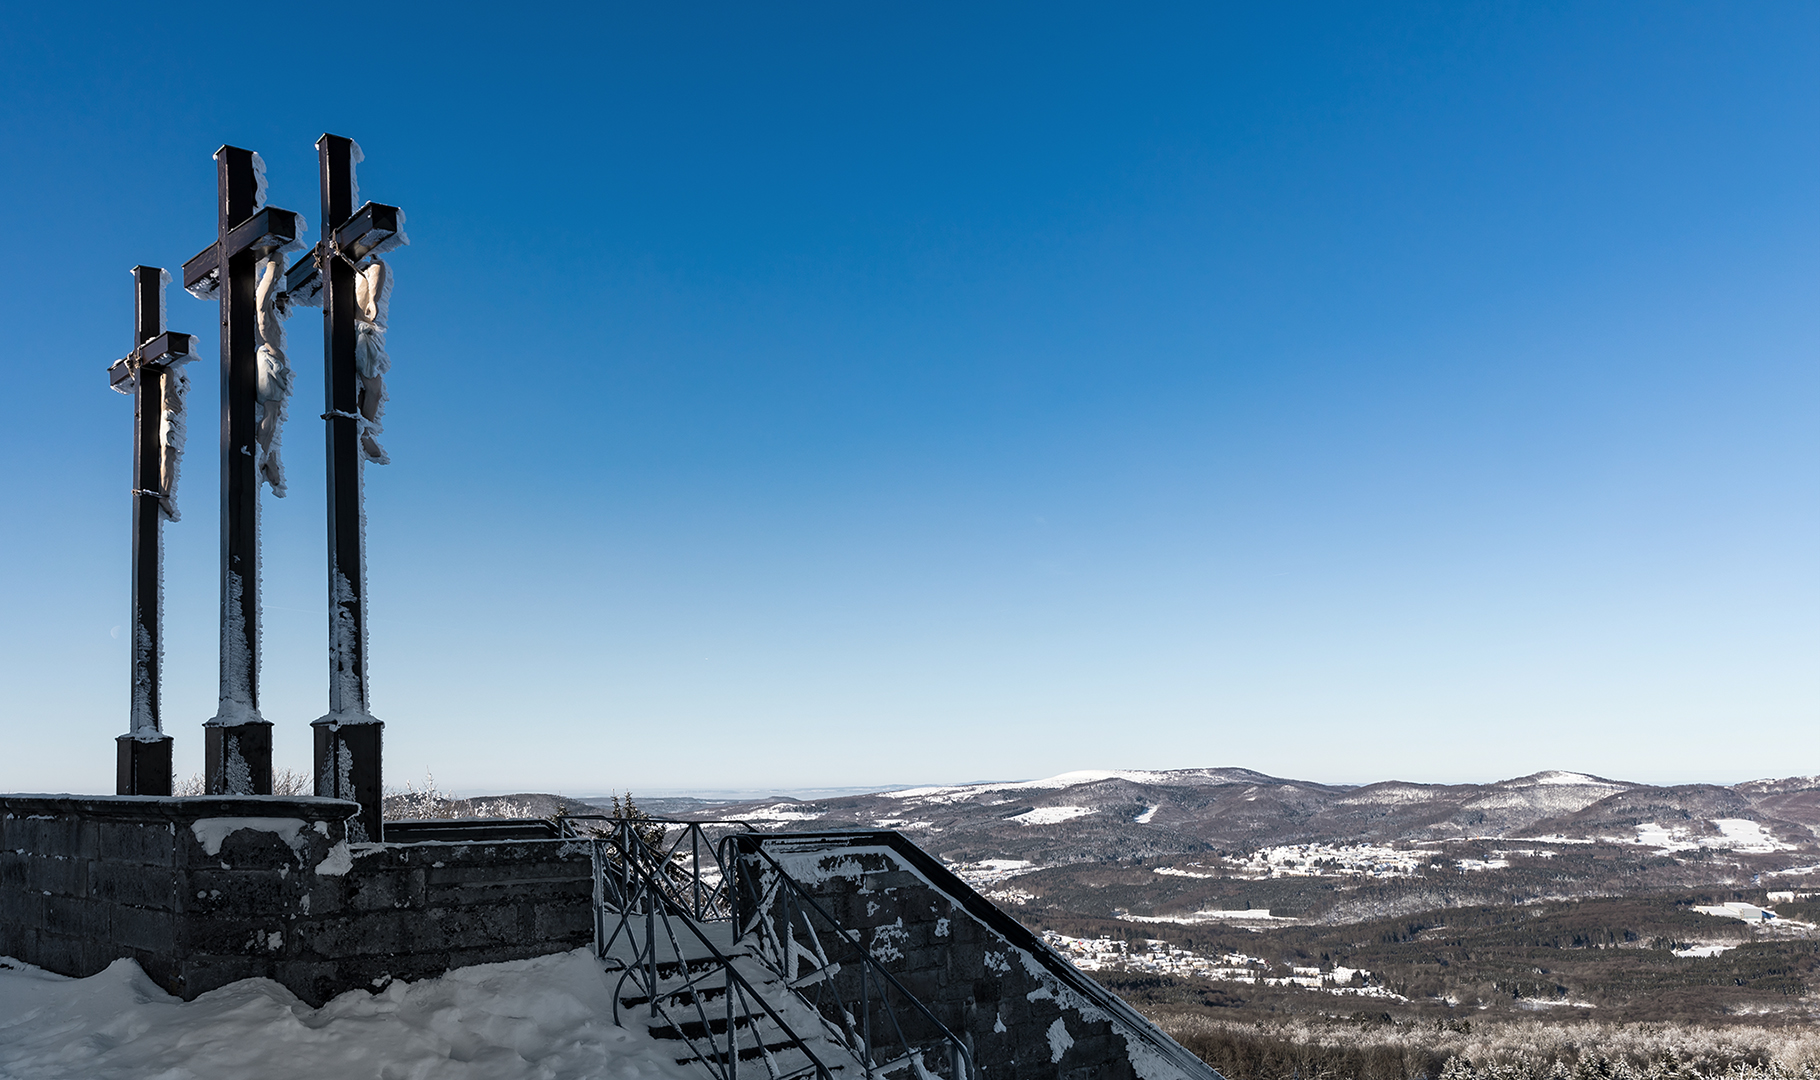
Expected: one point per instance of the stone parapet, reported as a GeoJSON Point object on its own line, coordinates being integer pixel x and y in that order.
{"type": "Point", "coordinates": [1021, 1008]}
{"type": "Point", "coordinates": [205, 891]}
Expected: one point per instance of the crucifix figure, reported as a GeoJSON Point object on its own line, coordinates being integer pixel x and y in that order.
{"type": "Point", "coordinates": [153, 374]}
{"type": "Point", "coordinates": [346, 276]}
{"type": "Point", "coordinates": [254, 383]}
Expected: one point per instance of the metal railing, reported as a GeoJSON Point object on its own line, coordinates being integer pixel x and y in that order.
{"type": "Point", "coordinates": [881, 1022]}
{"type": "Point", "coordinates": [686, 866]}
{"type": "Point", "coordinates": [662, 885]}
{"type": "Point", "coordinates": [650, 905]}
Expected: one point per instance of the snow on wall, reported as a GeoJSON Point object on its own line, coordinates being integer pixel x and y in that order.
{"type": "Point", "coordinates": [210, 832]}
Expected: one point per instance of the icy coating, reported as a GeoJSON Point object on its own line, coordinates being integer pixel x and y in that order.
{"type": "Point", "coordinates": [347, 692]}
{"type": "Point", "coordinates": [236, 705]}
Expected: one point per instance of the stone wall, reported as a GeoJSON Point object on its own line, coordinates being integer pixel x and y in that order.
{"type": "Point", "coordinates": [204, 891]}
{"type": "Point", "coordinates": [1021, 1008]}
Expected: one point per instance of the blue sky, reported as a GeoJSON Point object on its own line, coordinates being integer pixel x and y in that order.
{"type": "Point", "coordinates": [837, 395]}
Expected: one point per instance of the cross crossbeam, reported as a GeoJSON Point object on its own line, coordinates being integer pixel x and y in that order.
{"type": "Point", "coordinates": [267, 231]}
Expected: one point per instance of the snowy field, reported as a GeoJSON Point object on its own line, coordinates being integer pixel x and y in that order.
{"type": "Point", "coordinates": [548, 1018]}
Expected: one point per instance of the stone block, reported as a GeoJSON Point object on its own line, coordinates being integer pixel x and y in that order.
{"type": "Point", "coordinates": [236, 893]}
{"type": "Point", "coordinates": [379, 933]}
{"type": "Point", "coordinates": [525, 891]}
{"type": "Point", "coordinates": [76, 916]}
{"type": "Point", "coordinates": [571, 922]}
{"type": "Point", "coordinates": [377, 891]}
{"type": "Point", "coordinates": [446, 928]}
{"type": "Point", "coordinates": [321, 895]}
{"type": "Point", "coordinates": [133, 884]}
{"type": "Point", "coordinates": [15, 868]}
{"type": "Point", "coordinates": [153, 842]}
{"type": "Point", "coordinates": [60, 953]}
{"type": "Point", "coordinates": [44, 834]}
{"type": "Point", "coordinates": [531, 868]}
{"type": "Point", "coordinates": [236, 936]}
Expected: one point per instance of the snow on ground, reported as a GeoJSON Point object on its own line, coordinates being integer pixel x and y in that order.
{"type": "Point", "coordinates": [1325, 860]}
{"type": "Point", "coordinates": [1068, 779]}
{"type": "Point", "coordinates": [1110, 954]}
{"type": "Point", "coordinates": [902, 824]}
{"type": "Point", "coordinates": [550, 1018]}
{"type": "Point", "coordinates": [1703, 951]}
{"type": "Point", "coordinates": [1735, 834]}
{"type": "Point", "coordinates": [777, 812]}
{"type": "Point", "coordinates": [1556, 776]}
{"type": "Point", "coordinates": [1052, 815]}
{"type": "Point", "coordinates": [1149, 812]}
{"type": "Point", "coordinates": [1242, 916]}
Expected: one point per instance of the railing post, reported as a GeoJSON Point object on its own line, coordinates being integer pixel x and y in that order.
{"type": "Point", "coordinates": [695, 856]}
{"type": "Point", "coordinates": [651, 948]}
{"type": "Point", "coordinates": [600, 901]}
{"type": "Point", "coordinates": [865, 1011]}
{"type": "Point", "coordinates": [732, 1034]}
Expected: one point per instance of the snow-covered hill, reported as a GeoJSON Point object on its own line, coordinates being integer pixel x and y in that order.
{"type": "Point", "coordinates": [1100, 813]}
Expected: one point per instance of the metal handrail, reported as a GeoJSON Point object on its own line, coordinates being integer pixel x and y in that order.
{"type": "Point", "coordinates": [707, 899]}
{"type": "Point", "coordinates": [646, 891]}
{"type": "Point", "coordinates": [872, 972]}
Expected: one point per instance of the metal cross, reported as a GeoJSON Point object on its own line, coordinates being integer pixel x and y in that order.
{"type": "Point", "coordinates": [238, 741]}
{"type": "Point", "coordinates": [150, 373]}
{"type": "Point", "coordinates": [348, 738]}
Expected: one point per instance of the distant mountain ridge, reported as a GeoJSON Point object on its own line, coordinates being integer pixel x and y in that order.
{"type": "Point", "coordinates": [1101, 813]}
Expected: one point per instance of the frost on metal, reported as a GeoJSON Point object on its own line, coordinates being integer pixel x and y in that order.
{"type": "Point", "coordinates": [236, 686]}
{"type": "Point", "coordinates": [144, 722]}
{"type": "Point", "coordinates": [347, 694]}
{"type": "Point", "coordinates": [272, 398]}
{"type": "Point", "coordinates": [355, 156]}
{"type": "Point", "coordinates": [260, 188]}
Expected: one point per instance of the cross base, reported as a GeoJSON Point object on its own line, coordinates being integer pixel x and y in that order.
{"type": "Point", "coordinates": [144, 765]}
{"type": "Point", "coordinates": [237, 758]}
{"type": "Point", "coordinates": [347, 767]}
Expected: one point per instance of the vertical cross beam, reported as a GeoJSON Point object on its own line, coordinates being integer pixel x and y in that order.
{"type": "Point", "coordinates": [348, 738]}
{"type": "Point", "coordinates": [237, 747]}
{"type": "Point", "coordinates": [143, 760]}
